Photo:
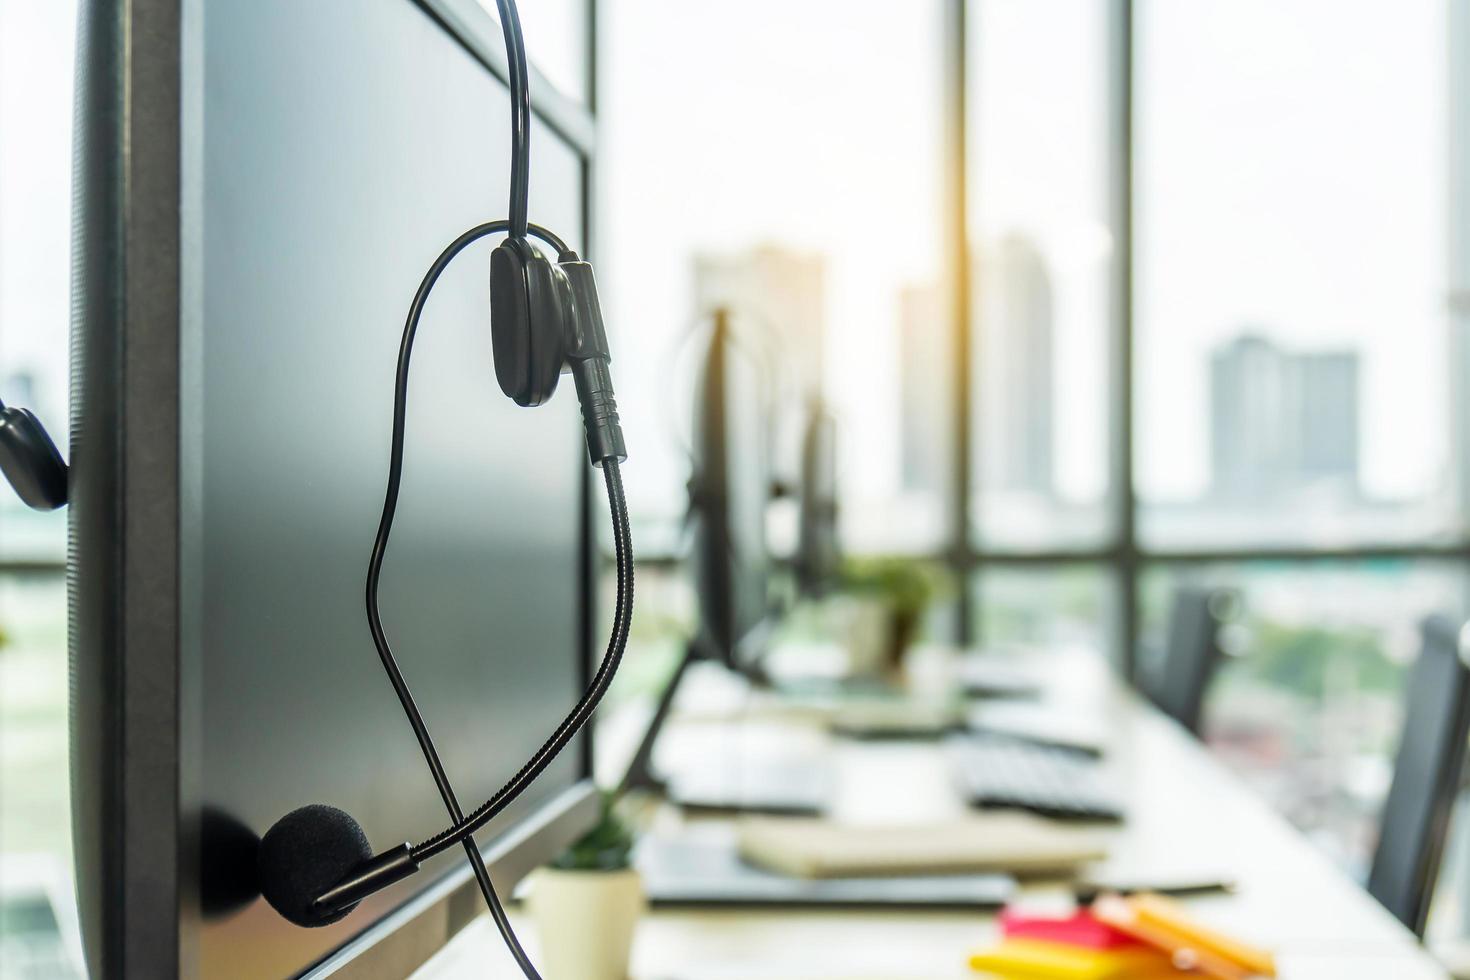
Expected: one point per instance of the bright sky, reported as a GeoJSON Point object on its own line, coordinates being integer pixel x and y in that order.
{"type": "Point", "coordinates": [813, 124]}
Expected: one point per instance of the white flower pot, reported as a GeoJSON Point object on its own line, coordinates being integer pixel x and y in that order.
{"type": "Point", "coordinates": [873, 648]}
{"type": "Point", "coordinates": [867, 636]}
{"type": "Point", "coordinates": [586, 920]}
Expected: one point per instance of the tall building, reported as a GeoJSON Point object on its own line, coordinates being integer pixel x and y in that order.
{"type": "Point", "coordinates": [1282, 421]}
{"type": "Point", "coordinates": [924, 359]}
{"type": "Point", "coordinates": [780, 290]}
{"type": "Point", "coordinates": [1329, 413]}
{"type": "Point", "coordinates": [1248, 396]}
{"type": "Point", "coordinates": [1016, 373]}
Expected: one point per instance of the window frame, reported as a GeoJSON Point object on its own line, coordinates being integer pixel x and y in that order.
{"type": "Point", "coordinates": [1123, 556]}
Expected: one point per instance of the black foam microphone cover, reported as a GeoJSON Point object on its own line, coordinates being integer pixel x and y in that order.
{"type": "Point", "coordinates": [307, 852]}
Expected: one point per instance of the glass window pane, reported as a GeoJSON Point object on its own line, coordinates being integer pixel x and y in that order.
{"type": "Point", "coordinates": [1043, 256]}
{"type": "Point", "coordinates": [35, 243]}
{"type": "Point", "coordinates": [556, 41]}
{"type": "Point", "coordinates": [1308, 706]}
{"type": "Point", "coordinates": [665, 620]}
{"type": "Point", "coordinates": [1050, 608]}
{"type": "Point", "coordinates": [797, 183]}
{"type": "Point", "coordinates": [1449, 916]}
{"type": "Point", "coordinates": [1292, 230]}
{"type": "Point", "coordinates": [38, 931]}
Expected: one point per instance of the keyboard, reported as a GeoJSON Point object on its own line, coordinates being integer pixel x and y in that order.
{"type": "Point", "coordinates": [999, 772]}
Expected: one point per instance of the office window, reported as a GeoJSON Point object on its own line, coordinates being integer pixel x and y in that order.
{"type": "Point", "coordinates": [38, 934]}
{"type": "Point", "coordinates": [1292, 206]}
{"type": "Point", "coordinates": [1048, 609]}
{"type": "Point", "coordinates": [1041, 285]}
{"type": "Point", "coordinates": [1308, 704]}
{"type": "Point", "coordinates": [797, 182]}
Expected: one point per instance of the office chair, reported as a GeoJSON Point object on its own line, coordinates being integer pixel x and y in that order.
{"type": "Point", "coordinates": [1426, 777]}
{"type": "Point", "coordinates": [1192, 651]}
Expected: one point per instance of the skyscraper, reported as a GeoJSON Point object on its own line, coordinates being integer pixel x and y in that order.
{"type": "Point", "coordinates": [782, 291]}
{"type": "Point", "coordinates": [1329, 413]}
{"type": "Point", "coordinates": [924, 356]}
{"type": "Point", "coordinates": [1248, 396]}
{"type": "Point", "coordinates": [1015, 368]}
{"type": "Point", "coordinates": [1282, 421]}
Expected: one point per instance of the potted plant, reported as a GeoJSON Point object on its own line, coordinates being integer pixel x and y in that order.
{"type": "Point", "coordinates": [894, 593]}
{"type": "Point", "coordinates": [587, 902]}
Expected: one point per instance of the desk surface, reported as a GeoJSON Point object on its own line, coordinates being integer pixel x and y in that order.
{"type": "Point", "coordinates": [1186, 815]}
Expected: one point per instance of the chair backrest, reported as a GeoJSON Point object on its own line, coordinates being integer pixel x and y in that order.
{"type": "Point", "coordinates": [1426, 777]}
{"type": "Point", "coordinates": [1191, 654]}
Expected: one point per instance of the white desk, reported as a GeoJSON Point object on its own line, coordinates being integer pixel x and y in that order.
{"type": "Point", "coordinates": [1185, 813]}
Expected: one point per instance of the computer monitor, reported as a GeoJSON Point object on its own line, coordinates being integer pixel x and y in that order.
{"type": "Point", "coordinates": [818, 549]}
{"type": "Point", "coordinates": [730, 488]}
{"type": "Point", "coordinates": [260, 187]}
{"type": "Point", "coordinates": [730, 491]}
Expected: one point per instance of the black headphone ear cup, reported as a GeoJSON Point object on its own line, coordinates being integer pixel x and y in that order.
{"type": "Point", "coordinates": [30, 460]}
{"type": "Point", "coordinates": [530, 316]}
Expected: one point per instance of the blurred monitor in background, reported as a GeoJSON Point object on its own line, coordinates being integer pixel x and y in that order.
{"type": "Point", "coordinates": [819, 552]}
{"type": "Point", "coordinates": [730, 490]}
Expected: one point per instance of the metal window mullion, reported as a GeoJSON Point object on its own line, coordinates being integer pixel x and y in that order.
{"type": "Point", "coordinates": [1121, 187]}
{"type": "Point", "coordinates": [956, 193]}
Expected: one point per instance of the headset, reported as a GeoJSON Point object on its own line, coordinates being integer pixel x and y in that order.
{"type": "Point", "coordinates": [315, 864]}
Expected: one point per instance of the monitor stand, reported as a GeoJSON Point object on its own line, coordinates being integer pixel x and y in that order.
{"type": "Point", "coordinates": [801, 790]}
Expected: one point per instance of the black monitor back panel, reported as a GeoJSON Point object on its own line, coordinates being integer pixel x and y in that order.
{"type": "Point", "coordinates": [731, 485]}
{"type": "Point", "coordinates": [325, 152]}
{"type": "Point", "coordinates": [819, 551]}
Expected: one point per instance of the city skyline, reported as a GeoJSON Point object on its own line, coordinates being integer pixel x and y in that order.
{"type": "Point", "coordinates": [1282, 421]}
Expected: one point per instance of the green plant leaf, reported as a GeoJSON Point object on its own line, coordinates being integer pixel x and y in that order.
{"type": "Point", "coordinates": [608, 846]}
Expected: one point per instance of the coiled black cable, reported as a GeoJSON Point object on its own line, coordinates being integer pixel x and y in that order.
{"type": "Point", "coordinates": [390, 500]}
{"type": "Point", "coordinates": [517, 226]}
{"type": "Point", "coordinates": [463, 830]}
{"type": "Point", "coordinates": [622, 620]}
